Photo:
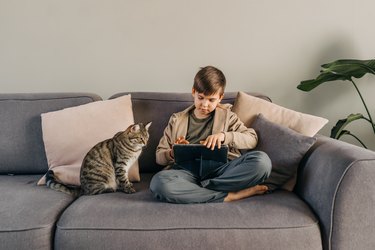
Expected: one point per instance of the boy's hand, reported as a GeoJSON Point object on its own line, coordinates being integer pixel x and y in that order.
{"type": "Point", "coordinates": [180, 140]}
{"type": "Point", "coordinates": [213, 140]}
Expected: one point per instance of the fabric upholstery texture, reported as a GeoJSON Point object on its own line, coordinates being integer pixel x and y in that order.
{"type": "Point", "coordinates": [247, 107]}
{"type": "Point", "coordinates": [28, 212]}
{"type": "Point", "coordinates": [70, 133]}
{"type": "Point", "coordinates": [285, 147]}
{"type": "Point", "coordinates": [197, 239]}
{"type": "Point", "coordinates": [21, 143]}
{"type": "Point", "coordinates": [348, 199]}
{"type": "Point", "coordinates": [281, 216]}
{"type": "Point", "coordinates": [334, 188]}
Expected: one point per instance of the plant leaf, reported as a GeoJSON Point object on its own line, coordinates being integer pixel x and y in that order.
{"type": "Point", "coordinates": [338, 130]}
{"type": "Point", "coordinates": [339, 70]}
{"type": "Point", "coordinates": [347, 132]}
{"type": "Point", "coordinates": [343, 132]}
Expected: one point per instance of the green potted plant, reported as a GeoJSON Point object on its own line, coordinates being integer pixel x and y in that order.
{"type": "Point", "coordinates": [344, 70]}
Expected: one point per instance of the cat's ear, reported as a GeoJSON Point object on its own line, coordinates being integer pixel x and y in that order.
{"type": "Point", "coordinates": [135, 128]}
{"type": "Point", "coordinates": [148, 125]}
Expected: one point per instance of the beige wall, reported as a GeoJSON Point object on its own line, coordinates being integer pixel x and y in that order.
{"type": "Point", "coordinates": [121, 45]}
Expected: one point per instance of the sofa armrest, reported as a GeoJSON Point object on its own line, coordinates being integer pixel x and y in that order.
{"type": "Point", "coordinates": [337, 180]}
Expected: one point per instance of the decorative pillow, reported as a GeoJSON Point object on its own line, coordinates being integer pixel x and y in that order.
{"type": "Point", "coordinates": [247, 107]}
{"type": "Point", "coordinates": [70, 133]}
{"type": "Point", "coordinates": [285, 147]}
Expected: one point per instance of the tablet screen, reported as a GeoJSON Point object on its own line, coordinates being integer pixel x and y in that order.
{"type": "Point", "coordinates": [192, 152]}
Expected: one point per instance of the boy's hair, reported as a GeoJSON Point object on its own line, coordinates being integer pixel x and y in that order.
{"type": "Point", "coordinates": [209, 80]}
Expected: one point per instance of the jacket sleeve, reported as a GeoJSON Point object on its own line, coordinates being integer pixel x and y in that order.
{"type": "Point", "coordinates": [238, 136]}
{"type": "Point", "coordinates": [163, 156]}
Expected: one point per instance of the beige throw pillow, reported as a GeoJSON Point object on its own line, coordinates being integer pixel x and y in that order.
{"type": "Point", "coordinates": [70, 133]}
{"type": "Point", "coordinates": [247, 108]}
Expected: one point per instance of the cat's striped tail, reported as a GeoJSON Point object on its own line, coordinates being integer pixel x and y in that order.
{"type": "Point", "coordinates": [55, 185]}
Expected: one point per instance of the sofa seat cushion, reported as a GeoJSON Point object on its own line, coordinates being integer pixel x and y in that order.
{"type": "Point", "coordinates": [28, 213]}
{"type": "Point", "coordinates": [137, 221]}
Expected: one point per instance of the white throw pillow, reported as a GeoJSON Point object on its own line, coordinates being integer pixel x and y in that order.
{"type": "Point", "coordinates": [247, 108]}
{"type": "Point", "coordinates": [70, 133]}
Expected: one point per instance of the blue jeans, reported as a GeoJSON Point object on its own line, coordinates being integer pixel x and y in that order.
{"type": "Point", "coordinates": [181, 186]}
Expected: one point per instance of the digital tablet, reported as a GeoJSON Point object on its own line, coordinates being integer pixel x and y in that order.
{"type": "Point", "coordinates": [199, 159]}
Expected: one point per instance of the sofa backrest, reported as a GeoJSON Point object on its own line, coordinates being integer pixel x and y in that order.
{"type": "Point", "coordinates": [158, 107]}
{"type": "Point", "coordinates": [21, 143]}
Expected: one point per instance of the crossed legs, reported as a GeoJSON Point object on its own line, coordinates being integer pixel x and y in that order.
{"type": "Point", "coordinates": [233, 181]}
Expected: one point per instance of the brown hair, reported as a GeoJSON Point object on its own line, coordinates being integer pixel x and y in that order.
{"type": "Point", "coordinates": [209, 80]}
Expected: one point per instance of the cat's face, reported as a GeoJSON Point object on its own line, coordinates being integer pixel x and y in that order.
{"type": "Point", "coordinates": [138, 133]}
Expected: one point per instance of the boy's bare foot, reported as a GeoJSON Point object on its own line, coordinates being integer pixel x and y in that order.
{"type": "Point", "coordinates": [245, 193]}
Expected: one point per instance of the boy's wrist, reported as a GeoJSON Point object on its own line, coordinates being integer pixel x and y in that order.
{"type": "Point", "coordinates": [228, 138]}
{"type": "Point", "coordinates": [223, 140]}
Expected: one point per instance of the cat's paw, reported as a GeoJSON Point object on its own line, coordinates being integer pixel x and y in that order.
{"type": "Point", "coordinates": [129, 189]}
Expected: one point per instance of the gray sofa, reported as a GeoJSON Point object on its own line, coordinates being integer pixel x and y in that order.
{"type": "Point", "coordinates": [330, 208]}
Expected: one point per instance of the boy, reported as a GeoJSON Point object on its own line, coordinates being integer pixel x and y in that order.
{"type": "Point", "coordinates": [212, 124]}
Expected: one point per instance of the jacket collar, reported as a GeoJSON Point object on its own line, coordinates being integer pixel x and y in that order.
{"type": "Point", "coordinates": [220, 120]}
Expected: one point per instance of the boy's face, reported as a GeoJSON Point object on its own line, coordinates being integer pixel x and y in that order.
{"type": "Point", "coordinates": [205, 104]}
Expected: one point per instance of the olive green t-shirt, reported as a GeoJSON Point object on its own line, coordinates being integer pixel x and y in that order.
{"type": "Point", "coordinates": [199, 129]}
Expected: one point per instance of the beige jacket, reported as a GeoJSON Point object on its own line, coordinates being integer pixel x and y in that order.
{"type": "Point", "coordinates": [237, 135]}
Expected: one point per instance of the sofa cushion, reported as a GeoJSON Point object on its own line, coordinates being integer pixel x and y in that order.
{"type": "Point", "coordinates": [158, 108]}
{"type": "Point", "coordinates": [285, 147]}
{"type": "Point", "coordinates": [247, 107]}
{"type": "Point", "coordinates": [28, 213]}
{"type": "Point", "coordinates": [70, 133]}
{"type": "Point", "coordinates": [276, 221]}
{"type": "Point", "coordinates": [21, 143]}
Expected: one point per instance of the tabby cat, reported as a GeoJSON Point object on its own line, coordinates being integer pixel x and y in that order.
{"type": "Point", "coordinates": [105, 167]}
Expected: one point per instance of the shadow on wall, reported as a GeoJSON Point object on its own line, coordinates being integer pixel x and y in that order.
{"type": "Point", "coordinates": [339, 46]}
